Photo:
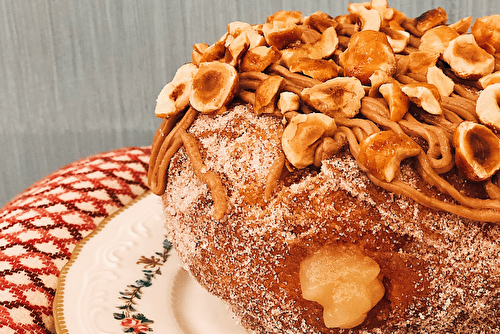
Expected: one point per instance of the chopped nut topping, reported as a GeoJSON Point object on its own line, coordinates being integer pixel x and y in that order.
{"type": "Point", "coordinates": [236, 49]}
{"type": "Point", "coordinates": [174, 97]}
{"type": "Point", "coordinates": [320, 21]}
{"type": "Point", "coordinates": [237, 28]}
{"type": "Point", "coordinates": [462, 25]}
{"type": "Point", "coordinates": [430, 19]}
{"type": "Point", "coordinates": [382, 153]}
{"type": "Point", "coordinates": [467, 59]}
{"type": "Point", "coordinates": [370, 19]}
{"type": "Point", "coordinates": [289, 67]}
{"type": "Point", "coordinates": [300, 137]}
{"type": "Point", "coordinates": [288, 101]}
{"type": "Point", "coordinates": [215, 51]}
{"type": "Point", "coordinates": [477, 151]}
{"type": "Point", "coordinates": [444, 84]}
{"type": "Point", "coordinates": [486, 31]}
{"type": "Point", "coordinates": [280, 34]}
{"type": "Point", "coordinates": [323, 48]}
{"type": "Point", "coordinates": [266, 95]}
{"type": "Point", "coordinates": [214, 85]}
{"type": "Point", "coordinates": [287, 16]}
{"type": "Point", "coordinates": [339, 97]}
{"type": "Point", "coordinates": [420, 61]}
{"type": "Point", "coordinates": [309, 35]}
{"type": "Point", "coordinates": [487, 107]}
{"type": "Point", "coordinates": [377, 79]}
{"type": "Point", "coordinates": [197, 54]}
{"type": "Point", "coordinates": [319, 69]}
{"type": "Point", "coordinates": [397, 100]}
{"type": "Point", "coordinates": [398, 39]}
{"type": "Point", "coordinates": [258, 58]}
{"type": "Point", "coordinates": [437, 39]}
{"type": "Point", "coordinates": [365, 45]}
{"type": "Point", "coordinates": [490, 79]}
{"type": "Point", "coordinates": [424, 95]}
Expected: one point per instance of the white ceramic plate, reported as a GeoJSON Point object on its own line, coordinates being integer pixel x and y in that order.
{"type": "Point", "coordinates": [126, 278]}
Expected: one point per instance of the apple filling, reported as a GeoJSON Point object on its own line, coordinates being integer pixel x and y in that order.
{"type": "Point", "coordinates": [344, 281]}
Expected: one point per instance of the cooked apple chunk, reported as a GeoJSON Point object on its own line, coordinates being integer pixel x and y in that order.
{"type": "Point", "coordinates": [344, 281]}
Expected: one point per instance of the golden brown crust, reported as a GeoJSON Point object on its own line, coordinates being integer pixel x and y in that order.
{"type": "Point", "coordinates": [441, 272]}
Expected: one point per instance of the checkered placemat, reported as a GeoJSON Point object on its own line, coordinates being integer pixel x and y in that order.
{"type": "Point", "coordinates": [40, 227]}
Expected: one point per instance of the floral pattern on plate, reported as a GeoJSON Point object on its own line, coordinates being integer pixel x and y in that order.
{"type": "Point", "coordinates": [131, 320]}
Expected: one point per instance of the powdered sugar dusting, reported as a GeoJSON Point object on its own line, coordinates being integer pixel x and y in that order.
{"type": "Point", "coordinates": [442, 272]}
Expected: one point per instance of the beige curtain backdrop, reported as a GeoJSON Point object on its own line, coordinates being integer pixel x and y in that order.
{"type": "Point", "coordinates": [81, 77]}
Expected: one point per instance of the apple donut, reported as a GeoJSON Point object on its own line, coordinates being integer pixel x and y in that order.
{"type": "Point", "coordinates": [338, 175]}
{"type": "Point", "coordinates": [440, 273]}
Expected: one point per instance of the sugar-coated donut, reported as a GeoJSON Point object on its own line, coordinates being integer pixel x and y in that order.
{"type": "Point", "coordinates": [441, 273]}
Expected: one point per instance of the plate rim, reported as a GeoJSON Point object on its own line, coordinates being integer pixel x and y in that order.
{"type": "Point", "coordinates": [58, 303]}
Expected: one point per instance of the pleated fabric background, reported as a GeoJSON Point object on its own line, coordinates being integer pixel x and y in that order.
{"type": "Point", "coordinates": [81, 77]}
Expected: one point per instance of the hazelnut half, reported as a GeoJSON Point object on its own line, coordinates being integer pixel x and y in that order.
{"type": "Point", "coordinates": [367, 52]}
{"type": "Point", "coordinates": [477, 151]}
{"type": "Point", "coordinates": [486, 30]}
{"type": "Point", "coordinates": [382, 153]}
{"type": "Point", "coordinates": [437, 39]}
{"type": "Point", "coordinates": [258, 58]}
{"type": "Point", "coordinates": [301, 137]}
{"type": "Point", "coordinates": [397, 100]}
{"type": "Point", "coordinates": [280, 33]}
{"type": "Point", "coordinates": [444, 84]}
{"type": "Point", "coordinates": [174, 97]}
{"type": "Point", "coordinates": [467, 59]}
{"type": "Point", "coordinates": [338, 97]}
{"type": "Point", "coordinates": [487, 108]}
{"type": "Point", "coordinates": [424, 95]}
{"type": "Point", "coordinates": [267, 94]}
{"type": "Point", "coordinates": [214, 85]}
{"type": "Point", "coordinates": [319, 69]}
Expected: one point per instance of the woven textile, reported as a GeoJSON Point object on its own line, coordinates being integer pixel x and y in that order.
{"type": "Point", "coordinates": [40, 228]}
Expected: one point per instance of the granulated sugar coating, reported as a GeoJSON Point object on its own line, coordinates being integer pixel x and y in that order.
{"type": "Point", "coordinates": [441, 272]}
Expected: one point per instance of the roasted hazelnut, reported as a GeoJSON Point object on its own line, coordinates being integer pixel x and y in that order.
{"type": "Point", "coordinates": [487, 108]}
{"type": "Point", "coordinates": [420, 61]}
{"type": "Point", "coordinates": [397, 100]}
{"type": "Point", "coordinates": [259, 58]}
{"type": "Point", "coordinates": [174, 97]}
{"type": "Point", "coordinates": [320, 21]}
{"type": "Point", "coordinates": [338, 97]}
{"type": "Point", "coordinates": [319, 69]}
{"type": "Point", "coordinates": [437, 39]}
{"type": "Point", "coordinates": [382, 153]}
{"type": "Point", "coordinates": [477, 151]}
{"type": "Point", "coordinates": [486, 31]}
{"type": "Point", "coordinates": [430, 19]}
{"type": "Point", "coordinates": [323, 48]}
{"type": "Point", "coordinates": [214, 85]}
{"type": "Point", "coordinates": [424, 95]}
{"type": "Point", "coordinates": [288, 101]}
{"type": "Point", "coordinates": [267, 93]}
{"type": "Point", "coordinates": [490, 79]}
{"type": "Point", "coordinates": [289, 16]}
{"type": "Point", "coordinates": [280, 34]}
{"type": "Point", "coordinates": [301, 137]}
{"type": "Point", "coordinates": [467, 59]}
{"type": "Point", "coordinates": [443, 83]}
{"type": "Point", "coordinates": [368, 51]}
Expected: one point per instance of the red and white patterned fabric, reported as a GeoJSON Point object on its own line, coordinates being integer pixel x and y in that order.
{"type": "Point", "coordinates": [40, 227]}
